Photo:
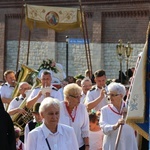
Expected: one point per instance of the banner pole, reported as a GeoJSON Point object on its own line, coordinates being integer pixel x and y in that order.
{"type": "Point", "coordinates": [20, 35]}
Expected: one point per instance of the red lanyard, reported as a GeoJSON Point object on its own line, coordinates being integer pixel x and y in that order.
{"type": "Point", "coordinates": [69, 112]}
{"type": "Point", "coordinates": [116, 111]}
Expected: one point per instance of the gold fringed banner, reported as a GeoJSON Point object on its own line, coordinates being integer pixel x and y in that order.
{"type": "Point", "coordinates": [137, 92]}
{"type": "Point", "coordinates": [57, 18]}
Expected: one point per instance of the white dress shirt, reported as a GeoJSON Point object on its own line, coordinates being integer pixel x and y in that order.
{"type": "Point", "coordinates": [53, 92]}
{"type": "Point", "coordinates": [82, 99]}
{"type": "Point", "coordinates": [108, 119]}
{"type": "Point", "coordinates": [80, 124]}
{"type": "Point", "coordinates": [93, 94]}
{"type": "Point", "coordinates": [62, 94]}
{"type": "Point", "coordinates": [63, 139]}
{"type": "Point", "coordinates": [6, 91]}
{"type": "Point", "coordinates": [15, 103]}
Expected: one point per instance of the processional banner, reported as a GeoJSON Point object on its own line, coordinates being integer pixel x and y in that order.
{"type": "Point", "coordinates": [139, 93]}
{"type": "Point", "coordinates": [57, 18]}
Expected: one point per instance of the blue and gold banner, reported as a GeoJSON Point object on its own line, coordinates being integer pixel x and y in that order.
{"type": "Point", "coordinates": [57, 18]}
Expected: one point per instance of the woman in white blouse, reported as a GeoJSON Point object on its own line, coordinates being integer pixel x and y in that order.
{"type": "Point", "coordinates": [111, 119]}
{"type": "Point", "coordinates": [51, 135]}
{"type": "Point", "coordinates": [74, 114]}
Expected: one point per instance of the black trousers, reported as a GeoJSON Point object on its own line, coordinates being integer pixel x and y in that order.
{"type": "Point", "coordinates": [82, 148]}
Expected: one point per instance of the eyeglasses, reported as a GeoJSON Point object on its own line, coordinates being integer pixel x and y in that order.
{"type": "Point", "coordinates": [86, 86]}
{"type": "Point", "coordinates": [112, 95]}
{"type": "Point", "coordinates": [25, 88]}
{"type": "Point", "coordinates": [75, 96]}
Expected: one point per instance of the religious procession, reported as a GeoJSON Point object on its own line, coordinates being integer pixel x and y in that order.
{"type": "Point", "coordinates": [66, 84]}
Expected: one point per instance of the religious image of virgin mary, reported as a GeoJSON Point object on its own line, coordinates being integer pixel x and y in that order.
{"type": "Point", "coordinates": [52, 18]}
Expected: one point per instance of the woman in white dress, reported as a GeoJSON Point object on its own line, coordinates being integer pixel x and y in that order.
{"type": "Point", "coordinates": [111, 119]}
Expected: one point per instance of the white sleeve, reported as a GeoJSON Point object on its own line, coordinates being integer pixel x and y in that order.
{"type": "Point", "coordinates": [2, 92]}
{"type": "Point", "coordinates": [31, 142]}
{"type": "Point", "coordinates": [59, 96]}
{"type": "Point", "coordinates": [89, 97]}
{"type": "Point", "coordinates": [107, 128]}
{"type": "Point", "coordinates": [12, 105]}
{"type": "Point", "coordinates": [32, 95]}
{"type": "Point", "coordinates": [26, 131]}
{"type": "Point", "coordinates": [85, 127]}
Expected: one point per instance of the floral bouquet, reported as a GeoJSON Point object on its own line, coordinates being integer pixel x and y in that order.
{"type": "Point", "coordinates": [48, 65]}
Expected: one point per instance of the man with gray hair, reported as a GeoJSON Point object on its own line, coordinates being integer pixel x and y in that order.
{"type": "Point", "coordinates": [15, 103]}
{"type": "Point", "coordinates": [86, 84]}
{"type": "Point", "coordinates": [46, 90]}
{"type": "Point", "coordinates": [51, 135]}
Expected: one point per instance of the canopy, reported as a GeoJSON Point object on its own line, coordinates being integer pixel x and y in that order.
{"type": "Point", "coordinates": [57, 18]}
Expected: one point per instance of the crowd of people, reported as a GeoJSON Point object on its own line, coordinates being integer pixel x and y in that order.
{"type": "Point", "coordinates": [85, 114]}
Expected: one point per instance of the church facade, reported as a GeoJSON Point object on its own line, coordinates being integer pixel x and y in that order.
{"type": "Point", "coordinates": [107, 21]}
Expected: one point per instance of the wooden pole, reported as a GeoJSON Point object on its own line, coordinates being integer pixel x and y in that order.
{"type": "Point", "coordinates": [29, 37]}
{"type": "Point", "coordinates": [20, 35]}
{"type": "Point", "coordinates": [67, 42]}
{"type": "Point", "coordinates": [118, 137]}
{"type": "Point", "coordinates": [88, 47]}
{"type": "Point", "coordinates": [84, 36]}
{"type": "Point", "coordinates": [124, 114]}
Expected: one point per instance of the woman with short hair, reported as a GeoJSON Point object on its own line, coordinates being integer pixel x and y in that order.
{"type": "Point", "coordinates": [74, 114]}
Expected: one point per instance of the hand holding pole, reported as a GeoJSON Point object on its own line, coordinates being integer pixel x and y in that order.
{"type": "Point", "coordinates": [124, 114]}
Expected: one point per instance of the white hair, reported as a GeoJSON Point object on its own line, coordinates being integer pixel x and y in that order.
{"type": "Point", "coordinates": [117, 87]}
{"type": "Point", "coordinates": [47, 102]}
{"type": "Point", "coordinates": [86, 79]}
{"type": "Point", "coordinates": [22, 83]}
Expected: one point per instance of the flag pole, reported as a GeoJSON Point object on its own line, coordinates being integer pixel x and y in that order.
{"type": "Point", "coordinates": [85, 36]}
{"type": "Point", "coordinates": [89, 54]}
{"type": "Point", "coordinates": [124, 114]}
{"type": "Point", "coordinates": [29, 37]}
{"type": "Point", "coordinates": [20, 35]}
{"type": "Point", "coordinates": [118, 137]}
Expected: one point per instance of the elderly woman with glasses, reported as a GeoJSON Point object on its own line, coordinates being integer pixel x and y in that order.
{"type": "Point", "coordinates": [112, 117]}
{"type": "Point", "coordinates": [74, 114]}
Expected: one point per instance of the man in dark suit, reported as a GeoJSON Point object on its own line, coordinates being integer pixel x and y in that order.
{"type": "Point", "coordinates": [7, 134]}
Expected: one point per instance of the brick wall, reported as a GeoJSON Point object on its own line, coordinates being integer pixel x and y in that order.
{"type": "Point", "coordinates": [106, 23]}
